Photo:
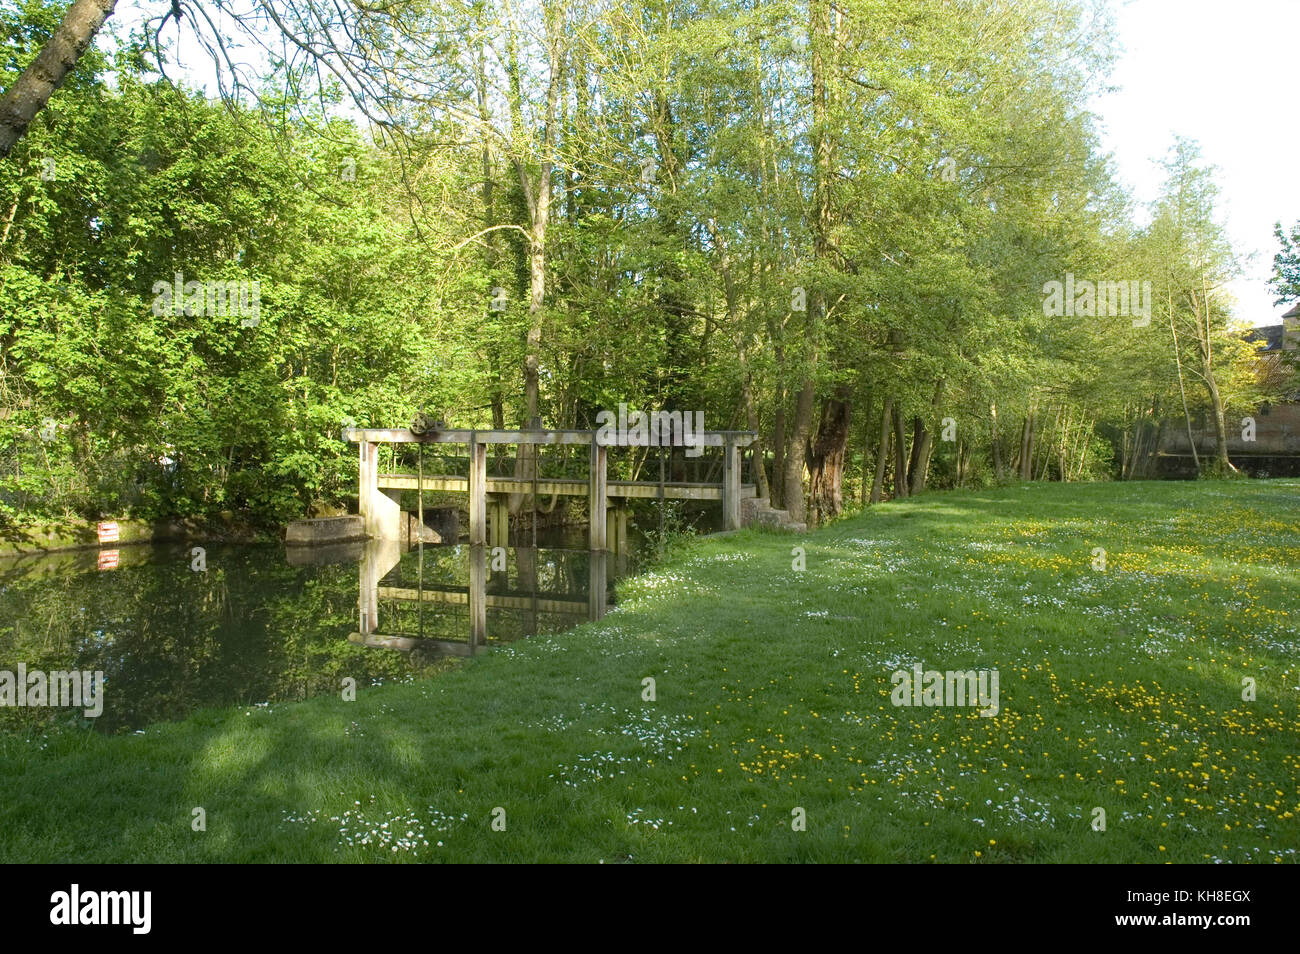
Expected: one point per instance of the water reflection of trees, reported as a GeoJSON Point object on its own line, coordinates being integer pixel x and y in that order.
{"type": "Point", "coordinates": [251, 629]}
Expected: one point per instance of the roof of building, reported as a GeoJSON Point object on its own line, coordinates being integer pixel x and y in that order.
{"type": "Point", "coordinates": [1268, 337]}
{"type": "Point", "coordinates": [1293, 313]}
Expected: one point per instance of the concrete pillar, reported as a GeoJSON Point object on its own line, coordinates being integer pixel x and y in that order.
{"type": "Point", "coordinates": [381, 512]}
{"type": "Point", "coordinates": [378, 558]}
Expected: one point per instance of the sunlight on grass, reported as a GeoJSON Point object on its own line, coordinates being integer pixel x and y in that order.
{"type": "Point", "coordinates": [1121, 689]}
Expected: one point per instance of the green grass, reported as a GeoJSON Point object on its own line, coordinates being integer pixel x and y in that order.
{"type": "Point", "coordinates": [1119, 689]}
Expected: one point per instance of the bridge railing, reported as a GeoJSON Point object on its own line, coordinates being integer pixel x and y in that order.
{"type": "Point", "coordinates": [382, 514]}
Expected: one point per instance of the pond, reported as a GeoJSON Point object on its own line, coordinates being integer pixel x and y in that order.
{"type": "Point", "coordinates": [259, 624]}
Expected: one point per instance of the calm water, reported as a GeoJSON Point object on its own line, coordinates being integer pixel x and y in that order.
{"type": "Point", "coordinates": [261, 625]}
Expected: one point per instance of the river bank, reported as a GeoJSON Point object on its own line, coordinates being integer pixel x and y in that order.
{"type": "Point", "coordinates": [44, 537]}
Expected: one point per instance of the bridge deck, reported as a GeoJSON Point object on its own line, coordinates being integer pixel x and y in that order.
{"type": "Point", "coordinates": [565, 486]}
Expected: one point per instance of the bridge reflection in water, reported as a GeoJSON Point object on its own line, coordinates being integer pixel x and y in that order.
{"type": "Point", "coordinates": [457, 600]}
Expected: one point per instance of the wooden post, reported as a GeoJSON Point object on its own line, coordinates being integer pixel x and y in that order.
{"type": "Point", "coordinates": [596, 490]}
{"type": "Point", "coordinates": [661, 498]}
{"type": "Point", "coordinates": [621, 557]}
{"type": "Point", "coordinates": [526, 581]}
{"type": "Point", "coordinates": [730, 485]}
{"type": "Point", "coordinates": [494, 521]}
{"type": "Point", "coordinates": [477, 588]}
{"type": "Point", "coordinates": [477, 492]}
{"type": "Point", "coordinates": [596, 586]}
{"type": "Point", "coordinates": [616, 528]}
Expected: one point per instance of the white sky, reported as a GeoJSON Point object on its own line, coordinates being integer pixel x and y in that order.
{"type": "Point", "coordinates": [1225, 73]}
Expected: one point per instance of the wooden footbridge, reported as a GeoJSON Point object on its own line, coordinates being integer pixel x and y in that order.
{"type": "Point", "coordinates": [379, 493]}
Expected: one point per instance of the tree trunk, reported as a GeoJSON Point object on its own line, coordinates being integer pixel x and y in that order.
{"type": "Point", "coordinates": [826, 459]}
{"type": "Point", "coordinates": [919, 444]}
{"type": "Point", "coordinates": [822, 45]}
{"type": "Point", "coordinates": [1182, 391]}
{"type": "Point", "coordinates": [882, 455]}
{"type": "Point", "coordinates": [32, 90]}
{"type": "Point", "coordinates": [1222, 464]}
{"type": "Point", "coordinates": [997, 446]}
{"type": "Point", "coordinates": [1027, 447]}
{"type": "Point", "coordinates": [759, 467]}
{"type": "Point", "coordinates": [900, 455]}
{"type": "Point", "coordinates": [1063, 448]}
{"type": "Point", "coordinates": [866, 451]}
{"type": "Point", "coordinates": [778, 448]}
{"type": "Point", "coordinates": [923, 446]}
{"type": "Point", "coordinates": [537, 193]}
{"type": "Point", "coordinates": [1202, 311]}
{"type": "Point", "coordinates": [795, 451]}
{"type": "Point", "coordinates": [1045, 446]}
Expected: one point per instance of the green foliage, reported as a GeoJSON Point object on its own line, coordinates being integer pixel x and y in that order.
{"type": "Point", "coordinates": [918, 169]}
{"type": "Point", "coordinates": [1286, 265]}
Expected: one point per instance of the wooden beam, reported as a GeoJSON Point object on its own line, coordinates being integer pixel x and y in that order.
{"type": "Point", "coordinates": [565, 487]}
{"type": "Point", "coordinates": [459, 596]}
{"type": "Point", "coordinates": [402, 435]}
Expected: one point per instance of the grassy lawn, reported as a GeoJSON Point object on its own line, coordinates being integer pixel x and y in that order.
{"type": "Point", "coordinates": [1120, 689]}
